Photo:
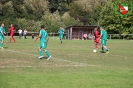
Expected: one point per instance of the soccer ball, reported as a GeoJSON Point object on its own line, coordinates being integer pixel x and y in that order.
{"type": "Point", "coordinates": [94, 50]}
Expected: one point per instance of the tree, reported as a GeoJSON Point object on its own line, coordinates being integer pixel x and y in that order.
{"type": "Point", "coordinates": [60, 5]}
{"type": "Point", "coordinates": [114, 23]}
{"type": "Point", "coordinates": [36, 7]}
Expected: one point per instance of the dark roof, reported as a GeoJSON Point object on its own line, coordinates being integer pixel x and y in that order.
{"type": "Point", "coordinates": [81, 26]}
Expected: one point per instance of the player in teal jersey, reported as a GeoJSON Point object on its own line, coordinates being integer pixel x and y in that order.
{"type": "Point", "coordinates": [61, 32]}
{"type": "Point", "coordinates": [43, 35]}
{"type": "Point", "coordinates": [2, 32]}
{"type": "Point", "coordinates": [103, 37]}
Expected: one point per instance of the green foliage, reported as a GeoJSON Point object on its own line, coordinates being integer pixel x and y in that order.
{"type": "Point", "coordinates": [36, 7]}
{"type": "Point", "coordinates": [68, 20]}
{"type": "Point", "coordinates": [75, 10]}
{"type": "Point", "coordinates": [113, 22]}
{"type": "Point", "coordinates": [30, 25]}
{"type": "Point", "coordinates": [54, 21]}
{"type": "Point", "coordinates": [30, 14]}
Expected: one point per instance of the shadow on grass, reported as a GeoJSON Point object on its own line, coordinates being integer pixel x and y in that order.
{"type": "Point", "coordinates": [5, 47]}
{"type": "Point", "coordinates": [44, 57]}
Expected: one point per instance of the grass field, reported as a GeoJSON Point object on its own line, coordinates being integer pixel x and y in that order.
{"type": "Point", "coordinates": [73, 65]}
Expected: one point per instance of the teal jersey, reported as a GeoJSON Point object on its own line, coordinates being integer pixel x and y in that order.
{"type": "Point", "coordinates": [89, 35]}
{"type": "Point", "coordinates": [2, 30]}
{"type": "Point", "coordinates": [104, 35]}
{"type": "Point", "coordinates": [61, 32]}
{"type": "Point", "coordinates": [44, 35]}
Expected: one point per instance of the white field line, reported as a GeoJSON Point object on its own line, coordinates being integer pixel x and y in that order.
{"type": "Point", "coordinates": [72, 62]}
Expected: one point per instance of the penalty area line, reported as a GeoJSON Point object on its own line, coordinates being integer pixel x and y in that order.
{"type": "Point", "coordinates": [72, 62]}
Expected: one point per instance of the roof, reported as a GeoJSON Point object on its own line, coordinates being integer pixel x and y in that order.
{"type": "Point", "coordinates": [81, 26]}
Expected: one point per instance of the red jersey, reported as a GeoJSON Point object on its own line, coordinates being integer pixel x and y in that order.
{"type": "Point", "coordinates": [12, 29]}
{"type": "Point", "coordinates": [96, 34]}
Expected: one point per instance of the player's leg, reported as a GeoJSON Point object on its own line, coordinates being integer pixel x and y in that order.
{"type": "Point", "coordinates": [47, 53]}
{"type": "Point", "coordinates": [61, 36]}
{"type": "Point", "coordinates": [104, 46]}
{"type": "Point", "coordinates": [2, 43]}
{"type": "Point", "coordinates": [13, 38]}
{"type": "Point", "coordinates": [98, 42]}
{"type": "Point", "coordinates": [95, 42]}
{"type": "Point", "coordinates": [10, 38]}
{"type": "Point", "coordinates": [107, 51]}
{"type": "Point", "coordinates": [61, 39]}
{"type": "Point", "coordinates": [96, 45]}
{"type": "Point", "coordinates": [44, 45]}
{"type": "Point", "coordinates": [40, 51]}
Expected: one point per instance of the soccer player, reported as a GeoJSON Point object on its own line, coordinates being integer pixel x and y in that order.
{"type": "Point", "coordinates": [43, 35]}
{"type": "Point", "coordinates": [61, 32]}
{"type": "Point", "coordinates": [96, 37]}
{"type": "Point", "coordinates": [103, 37]}
{"type": "Point", "coordinates": [12, 30]}
{"type": "Point", "coordinates": [2, 32]}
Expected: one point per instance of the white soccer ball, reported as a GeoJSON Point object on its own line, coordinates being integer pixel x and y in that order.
{"type": "Point", "coordinates": [94, 50]}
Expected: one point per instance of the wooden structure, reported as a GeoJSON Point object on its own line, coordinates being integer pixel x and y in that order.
{"type": "Point", "coordinates": [78, 32]}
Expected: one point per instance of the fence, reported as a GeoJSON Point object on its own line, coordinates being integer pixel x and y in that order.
{"type": "Point", "coordinates": [55, 35]}
{"type": "Point", "coordinates": [120, 36]}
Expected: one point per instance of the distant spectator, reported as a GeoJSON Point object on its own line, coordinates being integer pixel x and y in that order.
{"type": "Point", "coordinates": [90, 36]}
{"type": "Point", "coordinates": [85, 36]}
{"type": "Point", "coordinates": [33, 36]}
{"type": "Point", "coordinates": [20, 33]}
{"type": "Point", "coordinates": [25, 33]}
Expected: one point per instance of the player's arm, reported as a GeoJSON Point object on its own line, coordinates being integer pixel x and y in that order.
{"type": "Point", "coordinates": [47, 40]}
{"type": "Point", "coordinates": [59, 31]}
{"type": "Point", "coordinates": [101, 34]}
{"type": "Point", "coordinates": [9, 28]}
{"type": "Point", "coordinates": [2, 33]}
{"type": "Point", "coordinates": [93, 36]}
{"type": "Point", "coordinates": [13, 29]}
{"type": "Point", "coordinates": [63, 29]}
{"type": "Point", "coordinates": [37, 37]}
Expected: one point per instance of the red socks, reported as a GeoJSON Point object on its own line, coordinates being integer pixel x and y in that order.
{"type": "Point", "coordinates": [11, 38]}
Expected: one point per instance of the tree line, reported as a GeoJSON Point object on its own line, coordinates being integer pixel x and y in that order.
{"type": "Point", "coordinates": [30, 14]}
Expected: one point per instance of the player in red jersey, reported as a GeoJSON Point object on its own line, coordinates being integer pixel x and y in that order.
{"type": "Point", "coordinates": [12, 30]}
{"type": "Point", "coordinates": [96, 37]}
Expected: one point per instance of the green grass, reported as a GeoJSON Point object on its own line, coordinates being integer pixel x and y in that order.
{"type": "Point", "coordinates": [73, 65]}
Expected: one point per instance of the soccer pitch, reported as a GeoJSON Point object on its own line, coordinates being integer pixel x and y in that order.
{"type": "Point", "coordinates": [73, 65]}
